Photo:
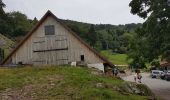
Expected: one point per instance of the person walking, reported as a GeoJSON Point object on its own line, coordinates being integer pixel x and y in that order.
{"type": "Point", "coordinates": [139, 77]}
{"type": "Point", "coordinates": [115, 71]}
{"type": "Point", "coordinates": [135, 77]}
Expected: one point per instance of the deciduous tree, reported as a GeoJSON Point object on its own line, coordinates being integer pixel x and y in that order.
{"type": "Point", "coordinates": [156, 28]}
{"type": "Point", "coordinates": [2, 5]}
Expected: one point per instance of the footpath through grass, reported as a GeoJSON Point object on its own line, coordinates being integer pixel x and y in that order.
{"type": "Point", "coordinates": [58, 83]}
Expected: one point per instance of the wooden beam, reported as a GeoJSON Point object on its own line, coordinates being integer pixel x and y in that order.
{"type": "Point", "coordinates": [61, 59]}
{"type": "Point", "coordinates": [51, 50]}
{"type": "Point", "coordinates": [39, 42]}
{"type": "Point", "coordinates": [60, 39]}
{"type": "Point", "coordinates": [38, 61]}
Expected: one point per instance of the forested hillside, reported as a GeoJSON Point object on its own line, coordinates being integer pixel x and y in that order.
{"type": "Point", "coordinates": [15, 25]}
{"type": "Point", "coordinates": [105, 36]}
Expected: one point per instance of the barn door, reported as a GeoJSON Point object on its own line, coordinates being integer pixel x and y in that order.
{"type": "Point", "coordinates": [60, 53]}
{"type": "Point", "coordinates": [54, 51]}
{"type": "Point", "coordinates": [38, 53]}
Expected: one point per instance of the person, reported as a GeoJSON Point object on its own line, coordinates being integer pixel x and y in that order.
{"type": "Point", "coordinates": [135, 77]}
{"type": "Point", "coordinates": [115, 71]}
{"type": "Point", "coordinates": [139, 77]}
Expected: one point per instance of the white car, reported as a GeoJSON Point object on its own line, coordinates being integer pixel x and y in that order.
{"type": "Point", "coordinates": [156, 73]}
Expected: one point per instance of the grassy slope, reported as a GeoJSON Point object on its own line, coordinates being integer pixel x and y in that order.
{"type": "Point", "coordinates": [59, 83]}
{"type": "Point", "coordinates": [8, 45]}
{"type": "Point", "coordinates": [118, 59]}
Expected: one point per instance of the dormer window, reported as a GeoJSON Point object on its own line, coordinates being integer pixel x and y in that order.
{"type": "Point", "coordinates": [49, 30]}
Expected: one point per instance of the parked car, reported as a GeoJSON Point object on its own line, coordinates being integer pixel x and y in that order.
{"type": "Point", "coordinates": [156, 73]}
{"type": "Point", "coordinates": [162, 76]}
{"type": "Point", "coordinates": [167, 76]}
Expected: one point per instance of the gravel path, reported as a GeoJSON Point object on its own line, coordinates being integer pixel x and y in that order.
{"type": "Point", "coordinates": [159, 87]}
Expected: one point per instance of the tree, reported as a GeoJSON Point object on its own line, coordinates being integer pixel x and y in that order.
{"type": "Point", "coordinates": [156, 28]}
{"type": "Point", "coordinates": [143, 8]}
{"type": "Point", "coordinates": [4, 26]}
{"type": "Point", "coordinates": [34, 21]}
{"type": "Point", "coordinates": [92, 35]}
{"type": "Point", "coordinates": [166, 56]}
{"type": "Point", "coordinates": [19, 23]}
{"type": "Point", "coordinates": [2, 5]}
{"type": "Point", "coordinates": [137, 50]}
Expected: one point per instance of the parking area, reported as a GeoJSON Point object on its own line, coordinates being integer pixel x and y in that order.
{"type": "Point", "coordinates": [160, 87]}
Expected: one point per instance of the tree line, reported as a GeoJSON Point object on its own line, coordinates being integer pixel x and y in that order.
{"type": "Point", "coordinates": [14, 24]}
{"type": "Point", "coordinates": [105, 36]}
{"type": "Point", "coordinates": [101, 36]}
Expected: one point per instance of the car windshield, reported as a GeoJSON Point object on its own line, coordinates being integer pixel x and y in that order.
{"type": "Point", "coordinates": [155, 72]}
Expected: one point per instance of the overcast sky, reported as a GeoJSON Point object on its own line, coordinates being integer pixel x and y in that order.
{"type": "Point", "coordinates": [91, 11]}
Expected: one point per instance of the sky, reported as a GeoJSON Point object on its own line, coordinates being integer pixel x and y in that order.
{"type": "Point", "coordinates": [91, 11]}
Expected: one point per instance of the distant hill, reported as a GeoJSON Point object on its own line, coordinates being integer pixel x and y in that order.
{"type": "Point", "coordinates": [6, 44]}
{"type": "Point", "coordinates": [105, 36]}
{"type": "Point", "coordinates": [100, 36]}
{"type": "Point", "coordinates": [86, 26]}
{"type": "Point", "coordinates": [114, 37]}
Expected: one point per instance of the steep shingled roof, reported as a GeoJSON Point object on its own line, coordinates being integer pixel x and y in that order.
{"type": "Point", "coordinates": [49, 13]}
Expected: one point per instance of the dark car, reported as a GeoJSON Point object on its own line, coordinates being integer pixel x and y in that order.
{"type": "Point", "coordinates": [167, 76]}
{"type": "Point", "coordinates": [162, 75]}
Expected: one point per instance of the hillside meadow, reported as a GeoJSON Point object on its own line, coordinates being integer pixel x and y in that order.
{"type": "Point", "coordinates": [61, 83]}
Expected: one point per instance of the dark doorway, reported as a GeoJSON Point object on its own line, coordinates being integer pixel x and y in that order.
{"type": "Point", "coordinates": [1, 54]}
{"type": "Point", "coordinates": [82, 57]}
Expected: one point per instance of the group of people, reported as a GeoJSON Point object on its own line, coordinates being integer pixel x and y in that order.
{"type": "Point", "coordinates": [137, 76]}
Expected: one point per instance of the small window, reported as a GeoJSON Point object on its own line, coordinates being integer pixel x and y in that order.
{"type": "Point", "coordinates": [82, 57]}
{"type": "Point", "coordinates": [49, 30]}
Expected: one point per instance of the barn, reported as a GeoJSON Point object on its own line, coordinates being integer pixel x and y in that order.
{"type": "Point", "coordinates": [51, 42]}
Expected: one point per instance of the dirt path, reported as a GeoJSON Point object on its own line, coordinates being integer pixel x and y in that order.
{"type": "Point", "coordinates": [160, 87]}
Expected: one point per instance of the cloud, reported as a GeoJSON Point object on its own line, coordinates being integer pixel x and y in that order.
{"type": "Point", "coordinates": [91, 11]}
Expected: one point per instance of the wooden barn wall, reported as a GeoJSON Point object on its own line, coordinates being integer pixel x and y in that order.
{"type": "Point", "coordinates": [38, 41]}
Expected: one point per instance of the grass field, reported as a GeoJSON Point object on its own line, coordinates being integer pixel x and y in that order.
{"type": "Point", "coordinates": [118, 59]}
{"type": "Point", "coordinates": [58, 83]}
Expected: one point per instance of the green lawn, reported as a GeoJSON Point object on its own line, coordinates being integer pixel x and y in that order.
{"type": "Point", "coordinates": [118, 59]}
{"type": "Point", "coordinates": [58, 83]}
